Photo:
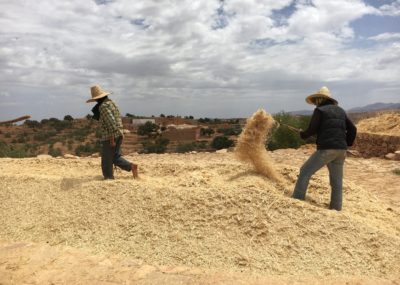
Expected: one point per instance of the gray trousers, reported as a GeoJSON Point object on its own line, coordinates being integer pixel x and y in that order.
{"type": "Point", "coordinates": [112, 156]}
{"type": "Point", "coordinates": [334, 159]}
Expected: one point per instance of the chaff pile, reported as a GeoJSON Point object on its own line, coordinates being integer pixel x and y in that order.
{"type": "Point", "coordinates": [202, 210]}
{"type": "Point", "coordinates": [382, 124]}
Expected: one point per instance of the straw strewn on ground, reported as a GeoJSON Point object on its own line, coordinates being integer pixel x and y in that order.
{"type": "Point", "coordinates": [383, 124]}
{"type": "Point", "coordinates": [202, 210]}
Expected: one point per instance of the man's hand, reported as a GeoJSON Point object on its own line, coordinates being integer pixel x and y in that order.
{"type": "Point", "coordinates": [112, 142]}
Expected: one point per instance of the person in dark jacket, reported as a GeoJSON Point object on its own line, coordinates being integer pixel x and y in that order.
{"type": "Point", "coordinates": [335, 132]}
{"type": "Point", "coordinates": [107, 113]}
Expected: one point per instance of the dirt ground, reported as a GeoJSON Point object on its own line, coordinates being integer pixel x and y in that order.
{"type": "Point", "coordinates": [201, 218]}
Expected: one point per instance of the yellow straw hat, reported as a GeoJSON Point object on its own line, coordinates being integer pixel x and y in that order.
{"type": "Point", "coordinates": [97, 93]}
{"type": "Point", "coordinates": [321, 93]}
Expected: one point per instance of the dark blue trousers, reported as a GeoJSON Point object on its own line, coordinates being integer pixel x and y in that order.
{"type": "Point", "coordinates": [112, 156]}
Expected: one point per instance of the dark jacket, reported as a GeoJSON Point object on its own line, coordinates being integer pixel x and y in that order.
{"type": "Point", "coordinates": [333, 128]}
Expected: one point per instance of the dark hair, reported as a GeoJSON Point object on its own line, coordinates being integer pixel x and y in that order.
{"type": "Point", "coordinates": [101, 100]}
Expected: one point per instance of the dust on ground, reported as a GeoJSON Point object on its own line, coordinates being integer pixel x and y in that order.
{"type": "Point", "coordinates": [205, 211]}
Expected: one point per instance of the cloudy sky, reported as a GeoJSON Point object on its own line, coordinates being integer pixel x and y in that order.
{"type": "Point", "coordinates": [209, 58]}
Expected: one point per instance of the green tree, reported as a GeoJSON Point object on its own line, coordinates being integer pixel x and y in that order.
{"type": "Point", "coordinates": [68, 118]}
{"type": "Point", "coordinates": [147, 128]}
{"type": "Point", "coordinates": [284, 137]}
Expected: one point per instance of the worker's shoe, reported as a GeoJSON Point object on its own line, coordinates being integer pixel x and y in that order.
{"type": "Point", "coordinates": [134, 170]}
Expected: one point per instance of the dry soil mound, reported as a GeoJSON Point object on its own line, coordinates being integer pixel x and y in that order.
{"type": "Point", "coordinates": [382, 124]}
{"type": "Point", "coordinates": [201, 210]}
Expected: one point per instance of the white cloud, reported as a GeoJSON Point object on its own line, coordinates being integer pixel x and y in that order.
{"type": "Point", "coordinates": [386, 37]}
{"type": "Point", "coordinates": [392, 9]}
{"type": "Point", "coordinates": [158, 52]}
{"type": "Point", "coordinates": [328, 16]}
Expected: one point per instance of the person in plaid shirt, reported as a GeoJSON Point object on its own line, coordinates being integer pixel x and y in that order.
{"type": "Point", "coordinates": [107, 113]}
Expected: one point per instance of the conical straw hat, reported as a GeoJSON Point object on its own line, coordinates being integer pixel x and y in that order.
{"type": "Point", "coordinates": [97, 93]}
{"type": "Point", "coordinates": [321, 93]}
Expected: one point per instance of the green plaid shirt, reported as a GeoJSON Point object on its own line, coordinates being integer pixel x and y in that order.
{"type": "Point", "coordinates": [110, 121]}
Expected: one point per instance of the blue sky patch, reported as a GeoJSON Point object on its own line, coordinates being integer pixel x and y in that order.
{"type": "Point", "coordinates": [281, 16]}
{"type": "Point", "coordinates": [140, 23]}
{"type": "Point", "coordinates": [103, 2]}
{"type": "Point", "coordinates": [372, 25]}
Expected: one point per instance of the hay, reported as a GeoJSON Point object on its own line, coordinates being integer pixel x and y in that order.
{"type": "Point", "coordinates": [251, 144]}
{"type": "Point", "coordinates": [387, 123]}
{"type": "Point", "coordinates": [201, 210]}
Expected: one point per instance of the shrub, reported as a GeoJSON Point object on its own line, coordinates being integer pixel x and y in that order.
{"type": "Point", "coordinates": [201, 144]}
{"type": "Point", "coordinates": [21, 140]}
{"type": "Point", "coordinates": [396, 171]}
{"type": "Point", "coordinates": [221, 142]}
{"type": "Point", "coordinates": [87, 149]}
{"type": "Point", "coordinates": [70, 146]}
{"type": "Point", "coordinates": [129, 115]}
{"type": "Point", "coordinates": [187, 147]}
{"type": "Point", "coordinates": [43, 136]}
{"type": "Point", "coordinates": [158, 146]}
{"type": "Point", "coordinates": [61, 125]}
{"type": "Point", "coordinates": [283, 137]}
{"type": "Point", "coordinates": [98, 133]}
{"type": "Point", "coordinates": [206, 131]}
{"type": "Point", "coordinates": [68, 118]}
{"type": "Point", "coordinates": [14, 151]}
{"type": "Point", "coordinates": [32, 124]}
{"type": "Point", "coordinates": [54, 152]}
{"type": "Point", "coordinates": [230, 131]}
{"type": "Point", "coordinates": [21, 137]}
{"type": "Point", "coordinates": [80, 134]}
{"type": "Point", "coordinates": [7, 135]}
{"type": "Point", "coordinates": [147, 128]}
{"type": "Point", "coordinates": [205, 120]}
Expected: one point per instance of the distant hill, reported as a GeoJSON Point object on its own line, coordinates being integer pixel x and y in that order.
{"type": "Point", "coordinates": [375, 107]}
{"type": "Point", "coordinates": [369, 108]}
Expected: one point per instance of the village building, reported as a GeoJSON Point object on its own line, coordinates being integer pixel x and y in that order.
{"type": "Point", "coordinates": [182, 132]}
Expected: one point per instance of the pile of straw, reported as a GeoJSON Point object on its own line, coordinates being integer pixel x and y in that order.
{"type": "Point", "coordinates": [201, 210]}
{"type": "Point", "coordinates": [383, 124]}
{"type": "Point", "coordinates": [251, 144]}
